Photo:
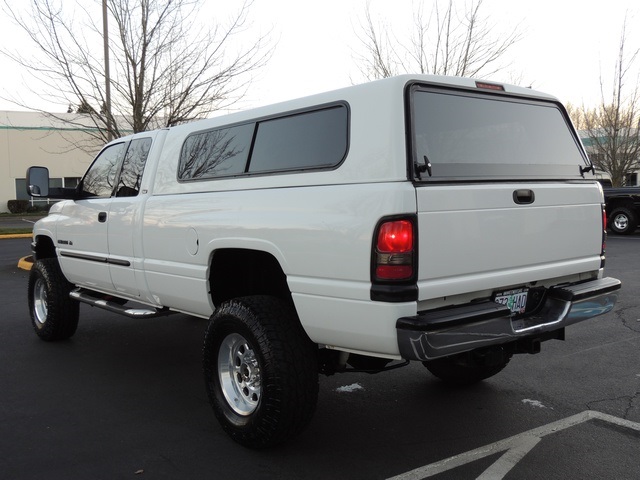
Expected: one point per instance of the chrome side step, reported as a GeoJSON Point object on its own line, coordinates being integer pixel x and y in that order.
{"type": "Point", "coordinates": [112, 304]}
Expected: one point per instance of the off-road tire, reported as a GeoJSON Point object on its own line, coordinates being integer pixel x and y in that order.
{"type": "Point", "coordinates": [54, 315]}
{"type": "Point", "coordinates": [260, 371]}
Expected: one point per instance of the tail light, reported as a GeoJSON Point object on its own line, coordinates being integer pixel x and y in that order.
{"type": "Point", "coordinates": [604, 230]}
{"type": "Point", "coordinates": [394, 251]}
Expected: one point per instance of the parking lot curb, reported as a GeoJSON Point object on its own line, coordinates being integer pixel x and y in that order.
{"type": "Point", "coordinates": [16, 235]}
{"type": "Point", "coordinates": [25, 263]}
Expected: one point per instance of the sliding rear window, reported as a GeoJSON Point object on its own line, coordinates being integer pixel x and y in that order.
{"type": "Point", "coordinates": [467, 136]}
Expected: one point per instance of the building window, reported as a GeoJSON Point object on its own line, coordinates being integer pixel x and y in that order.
{"type": "Point", "coordinates": [631, 180]}
{"type": "Point", "coordinates": [71, 182]}
{"type": "Point", "coordinates": [21, 189]}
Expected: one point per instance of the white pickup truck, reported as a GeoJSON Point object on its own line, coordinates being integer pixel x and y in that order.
{"type": "Point", "coordinates": [445, 220]}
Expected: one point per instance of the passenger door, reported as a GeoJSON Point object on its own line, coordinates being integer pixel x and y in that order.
{"type": "Point", "coordinates": [82, 239]}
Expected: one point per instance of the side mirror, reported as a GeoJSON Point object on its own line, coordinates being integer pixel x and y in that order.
{"type": "Point", "coordinates": [38, 181]}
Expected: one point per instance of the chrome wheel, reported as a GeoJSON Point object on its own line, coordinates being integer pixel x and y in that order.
{"type": "Point", "coordinates": [239, 372]}
{"type": "Point", "coordinates": [40, 302]}
{"type": "Point", "coordinates": [621, 222]}
{"type": "Point", "coordinates": [260, 370]}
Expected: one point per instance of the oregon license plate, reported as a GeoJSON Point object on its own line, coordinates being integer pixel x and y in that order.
{"type": "Point", "coordinates": [516, 299]}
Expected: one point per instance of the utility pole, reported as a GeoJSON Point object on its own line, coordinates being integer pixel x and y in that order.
{"type": "Point", "coordinates": [107, 78]}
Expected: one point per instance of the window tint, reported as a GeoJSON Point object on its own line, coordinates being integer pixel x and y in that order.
{"type": "Point", "coordinates": [133, 167]}
{"type": "Point", "coordinates": [215, 153]}
{"type": "Point", "coordinates": [101, 176]}
{"type": "Point", "coordinates": [307, 140]}
{"type": "Point", "coordinates": [484, 137]}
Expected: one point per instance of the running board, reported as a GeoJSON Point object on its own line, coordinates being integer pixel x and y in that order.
{"type": "Point", "coordinates": [108, 302]}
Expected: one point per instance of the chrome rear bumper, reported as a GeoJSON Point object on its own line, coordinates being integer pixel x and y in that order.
{"type": "Point", "coordinates": [439, 333]}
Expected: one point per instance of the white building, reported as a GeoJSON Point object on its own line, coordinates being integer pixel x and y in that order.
{"type": "Point", "coordinates": [32, 138]}
{"type": "Point", "coordinates": [631, 179]}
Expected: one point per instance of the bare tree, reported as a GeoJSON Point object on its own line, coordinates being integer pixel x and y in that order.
{"type": "Point", "coordinates": [576, 114]}
{"type": "Point", "coordinates": [167, 66]}
{"type": "Point", "coordinates": [613, 127]}
{"type": "Point", "coordinates": [444, 42]}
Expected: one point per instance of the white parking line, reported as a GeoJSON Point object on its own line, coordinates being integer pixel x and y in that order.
{"type": "Point", "coordinates": [511, 457]}
{"type": "Point", "coordinates": [515, 448]}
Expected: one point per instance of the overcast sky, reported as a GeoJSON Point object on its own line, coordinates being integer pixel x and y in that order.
{"type": "Point", "coordinates": [565, 45]}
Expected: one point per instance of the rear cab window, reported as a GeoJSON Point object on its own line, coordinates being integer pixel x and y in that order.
{"type": "Point", "coordinates": [460, 135]}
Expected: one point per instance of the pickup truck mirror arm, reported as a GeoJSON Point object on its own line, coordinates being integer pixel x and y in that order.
{"type": "Point", "coordinates": [587, 169]}
{"type": "Point", "coordinates": [421, 168]}
{"type": "Point", "coordinates": [64, 193]}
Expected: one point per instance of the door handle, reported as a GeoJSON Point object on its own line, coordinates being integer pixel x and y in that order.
{"type": "Point", "coordinates": [524, 196]}
{"type": "Point", "coordinates": [102, 217]}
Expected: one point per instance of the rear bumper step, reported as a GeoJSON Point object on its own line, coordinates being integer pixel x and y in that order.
{"type": "Point", "coordinates": [105, 302]}
{"type": "Point", "coordinates": [435, 334]}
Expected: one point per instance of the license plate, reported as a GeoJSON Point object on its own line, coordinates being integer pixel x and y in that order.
{"type": "Point", "coordinates": [516, 300]}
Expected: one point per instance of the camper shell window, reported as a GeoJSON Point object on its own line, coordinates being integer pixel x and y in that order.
{"type": "Point", "coordinates": [308, 140]}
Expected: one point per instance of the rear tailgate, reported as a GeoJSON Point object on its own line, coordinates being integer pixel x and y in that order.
{"type": "Point", "coordinates": [502, 192]}
{"type": "Point", "coordinates": [479, 237]}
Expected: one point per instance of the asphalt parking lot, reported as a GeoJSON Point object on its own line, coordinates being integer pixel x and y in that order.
{"type": "Point", "coordinates": [125, 399]}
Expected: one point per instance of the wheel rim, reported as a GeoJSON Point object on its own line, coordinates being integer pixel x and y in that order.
{"type": "Point", "coordinates": [239, 373]}
{"type": "Point", "coordinates": [40, 302]}
{"type": "Point", "coordinates": [621, 222]}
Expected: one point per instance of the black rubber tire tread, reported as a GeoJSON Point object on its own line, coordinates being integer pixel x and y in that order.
{"type": "Point", "coordinates": [631, 216]}
{"type": "Point", "coordinates": [453, 371]}
{"type": "Point", "coordinates": [62, 312]}
{"type": "Point", "coordinates": [289, 370]}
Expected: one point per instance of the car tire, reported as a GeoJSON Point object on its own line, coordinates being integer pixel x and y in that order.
{"type": "Point", "coordinates": [465, 369]}
{"type": "Point", "coordinates": [54, 315]}
{"type": "Point", "coordinates": [260, 370]}
{"type": "Point", "coordinates": [623, 221]}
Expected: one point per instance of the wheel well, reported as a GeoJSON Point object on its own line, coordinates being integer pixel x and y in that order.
{"type": "Point", "coordinates": [612, 204]}
{"type": "Point", "coordinates": [237, 273]}
{"type": "Point", "coordinates": [43, 248]}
